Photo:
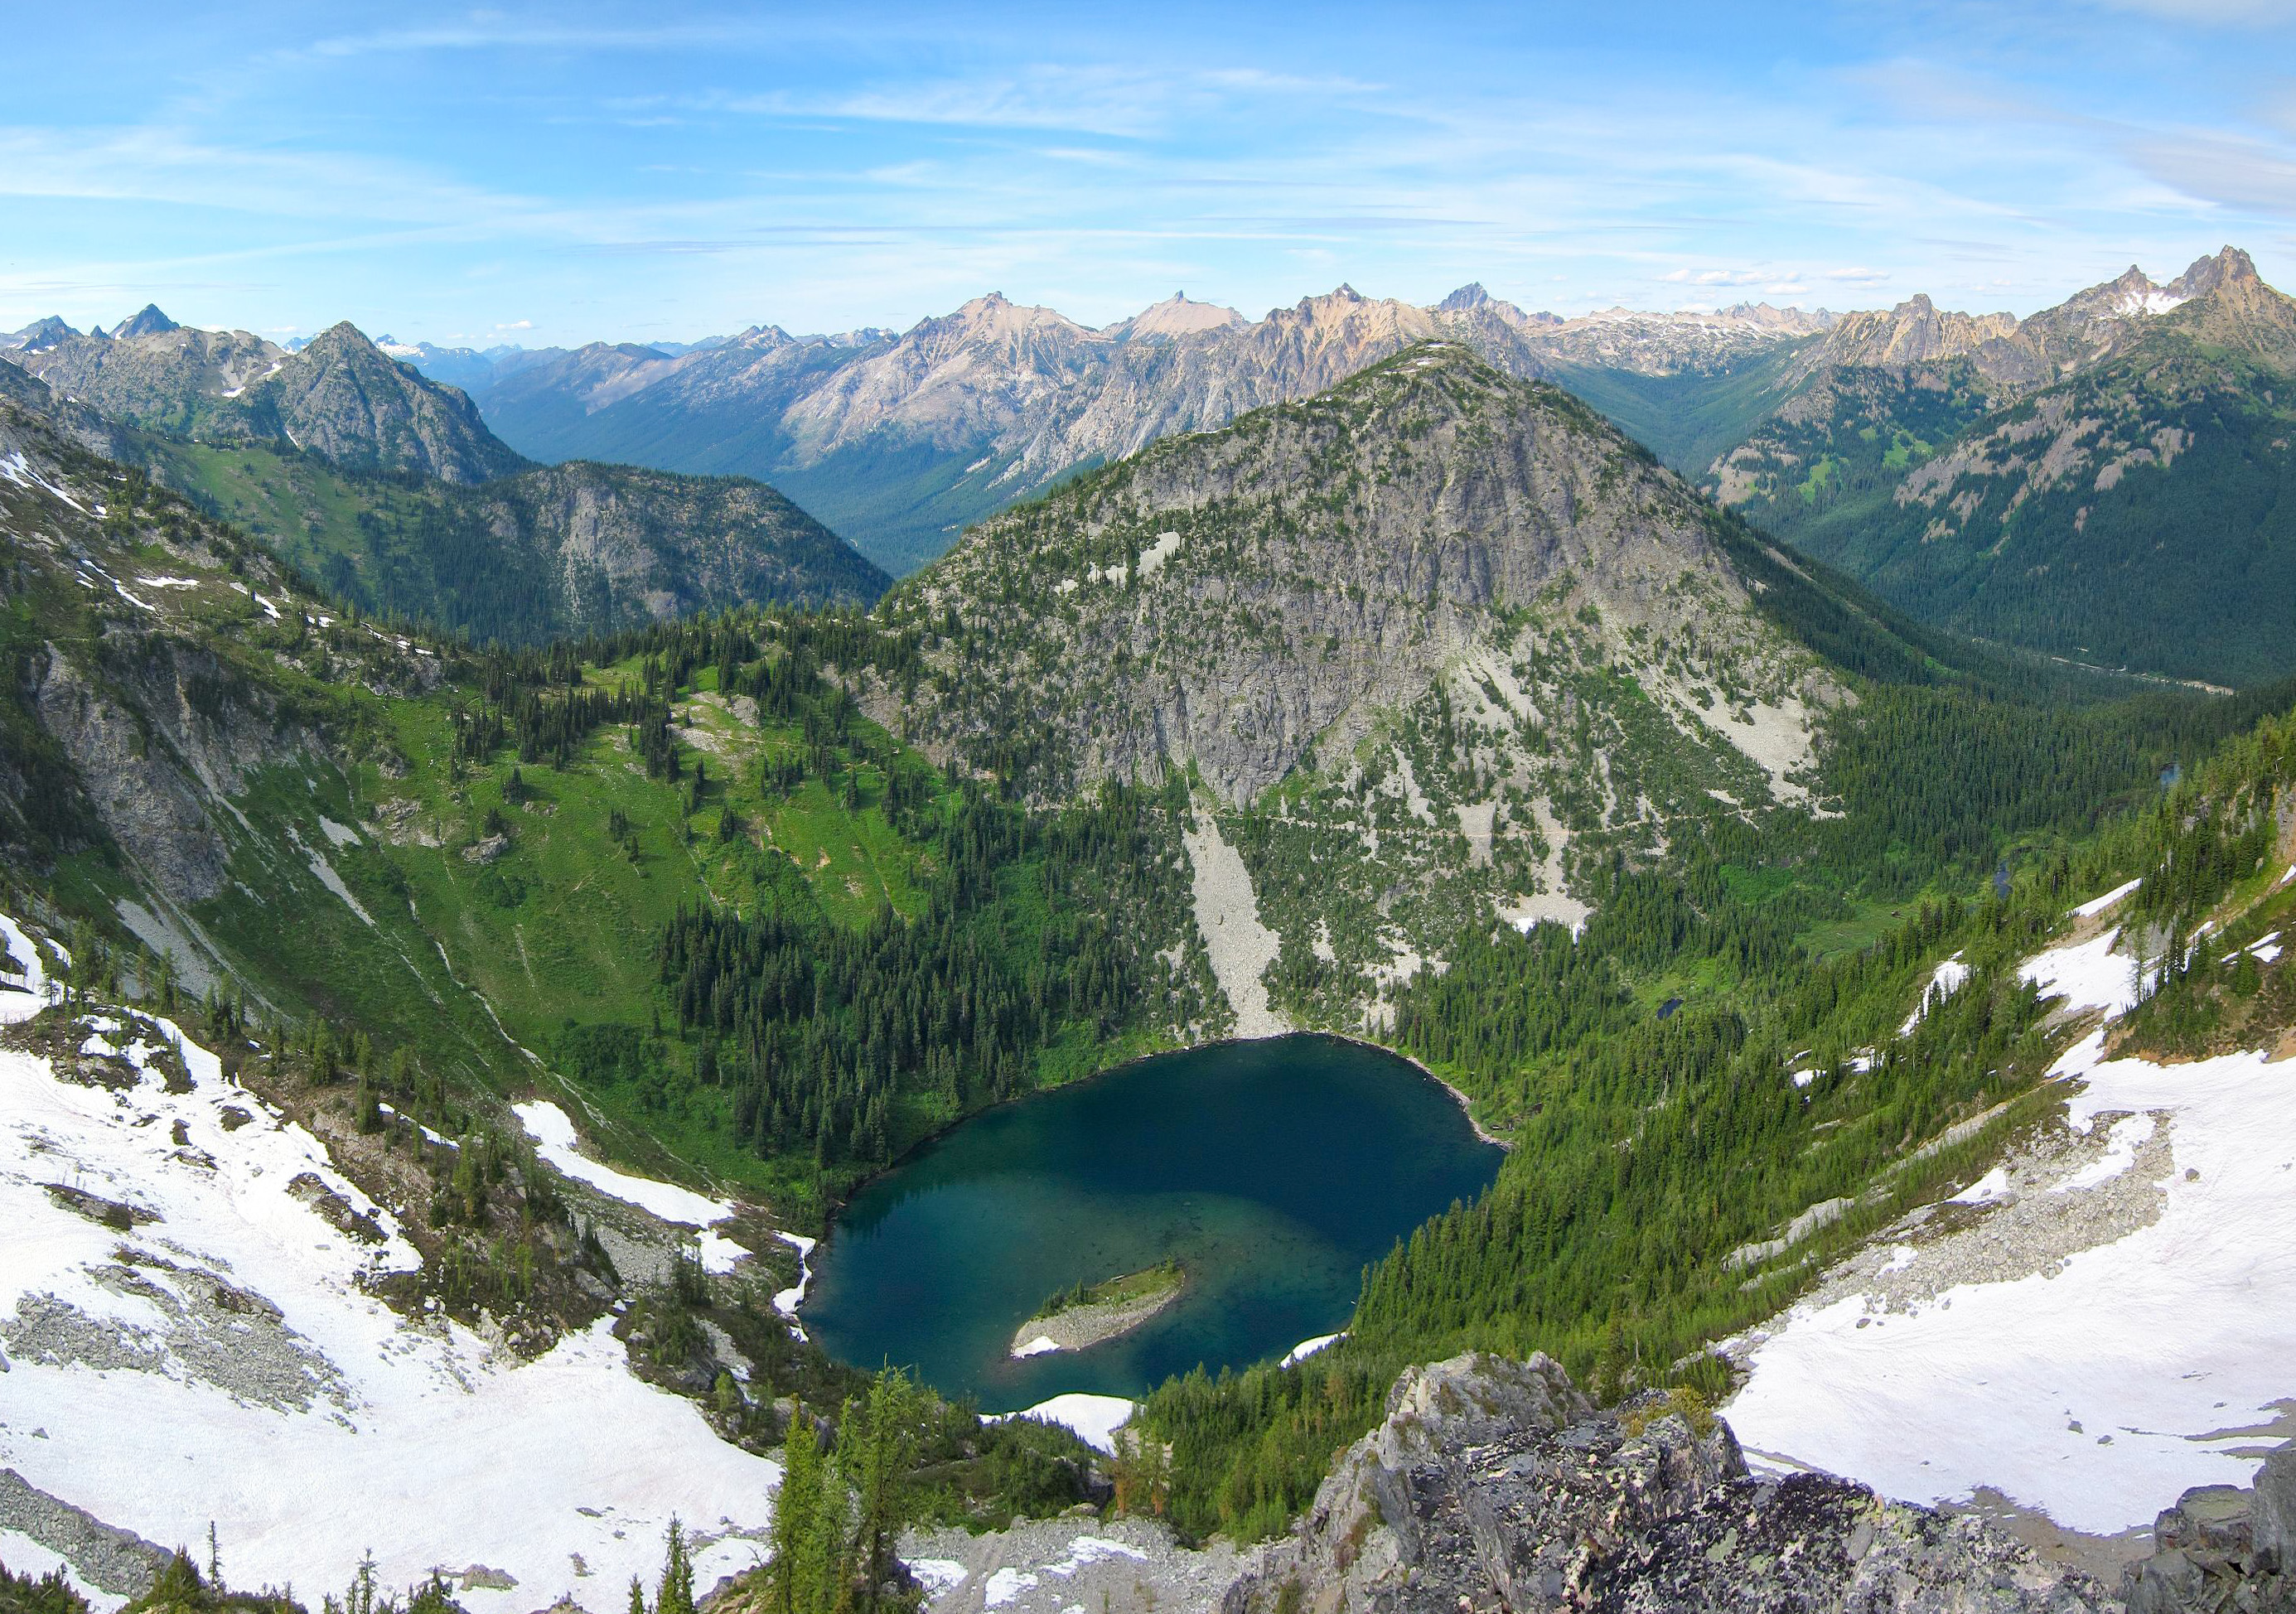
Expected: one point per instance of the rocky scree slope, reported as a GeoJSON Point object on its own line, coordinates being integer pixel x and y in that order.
{"type": "Point", "coordinates": [1424, 642]}
{"type": "Point", "coordinates": [1496, 1484]}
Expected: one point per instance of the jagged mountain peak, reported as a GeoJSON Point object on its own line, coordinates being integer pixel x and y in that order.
{"type": "Point", "coordinates": [995, 317]}
{"type": "Point", "coordinates": [345, 399]}
{"type": "Point", "coordinates": [147, 322]}
{"type": "Point", "coordinates": [1472, 303]}
{"type": "Point", "coordinates": [41, 333]}
{"type": "Point", "coordinates": [1345, 309]}
{"type": "Point", "coordinates": [2230, 266]}
{"type": "Point", "coordinates": [341, 337]}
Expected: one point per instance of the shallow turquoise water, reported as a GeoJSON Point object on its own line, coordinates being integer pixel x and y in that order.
{"type": "Point", "coordinates": [1273, 1171]}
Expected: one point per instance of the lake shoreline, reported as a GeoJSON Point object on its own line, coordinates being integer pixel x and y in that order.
{"type": "Point", "coordinates": [1273, 1171]}
{"type": "Point", "coordinates": [1466, 1107]}
{"type": "Point", "coordinates": [837, 1206]}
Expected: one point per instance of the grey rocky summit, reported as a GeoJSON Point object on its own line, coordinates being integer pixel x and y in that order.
{"type": "Point", "coordinates": [1496, 1484]}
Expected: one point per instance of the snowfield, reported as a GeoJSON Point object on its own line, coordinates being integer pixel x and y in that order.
{"type": "Point", "coordinates": [219, 1360]}
{"type": "Point", "coordinates": [2099, 1387]}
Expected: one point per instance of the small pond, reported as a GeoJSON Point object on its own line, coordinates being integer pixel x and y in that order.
{"type": "Point", "coordinates": [1273, 1171]}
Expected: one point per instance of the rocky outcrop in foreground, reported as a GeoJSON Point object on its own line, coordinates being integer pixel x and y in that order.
{"type": "Point", "coordinates": [2223, 1548]}
{"type": "Point", "coordinates": [1497, 1485]}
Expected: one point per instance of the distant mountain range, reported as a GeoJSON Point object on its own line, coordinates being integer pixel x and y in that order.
{"type": "Point", "coordinates": [901, 442]}
{"type": "Point", "coordinates": [2107, 479]}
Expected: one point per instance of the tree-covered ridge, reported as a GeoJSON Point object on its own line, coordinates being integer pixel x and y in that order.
{"type": "Point", "coordinates": [2138, 516]}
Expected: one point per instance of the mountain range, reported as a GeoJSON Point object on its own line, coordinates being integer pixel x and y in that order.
{"type": "Point", "coordinates": [1890, 443]}
{"type": "Point", "coordinates": [900, 442]}
{"type": "Point", "coordinates": [390, 488]}
{"type": "Point", "coordinates": [1859, 437]}
{"type": "Point", "coordinates": [2108, 480]}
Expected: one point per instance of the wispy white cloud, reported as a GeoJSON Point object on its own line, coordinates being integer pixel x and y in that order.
{"type": "Point", "coordinates": [455, 168]}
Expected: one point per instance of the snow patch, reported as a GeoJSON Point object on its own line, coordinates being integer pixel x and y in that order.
{"type": "Point", "coordinates": [2100, 1388]}
{"type": "Point", "coordinates": [2087, 975]}
{"type": "Point", "coordinates": [1092, 1419]}
{"type": "Point", "coordinates": [1950, 977]}
{"type": "Point", "coordinates": [1993, 1185]}
{"type": "Point", "coordinates": [1006, 1584]}
{"type": "Point", "coordinates": [555, 1141]}
{"type": "Point", "coordinates": [786, 1301]}
{"type": "Point", "coordinates": [2119, 1154]}
{"type": "Point", "coordinates": [937, 1575]}
{"type": "Point", "coordinates": [164, 1409]}
{"type": "Point", "coordinates": [1309, 1348]}
{"type": "Point", "coordinates": [2098, 904]}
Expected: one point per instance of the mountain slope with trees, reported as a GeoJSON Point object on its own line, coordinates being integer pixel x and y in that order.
{"type": "Point", "coordinates": [389, 489]}
{"type": "Point", "coordinates": [2107, 481]}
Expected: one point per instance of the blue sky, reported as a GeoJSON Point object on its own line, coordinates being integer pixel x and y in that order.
{"type": "Point", "coordinates": [664, 172]}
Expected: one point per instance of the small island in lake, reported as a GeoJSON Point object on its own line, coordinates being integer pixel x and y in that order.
{"type": "Point", "coordinates": [1077, 1318]}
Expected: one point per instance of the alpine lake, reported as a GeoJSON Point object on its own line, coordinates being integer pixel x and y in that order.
{"type": "Point", "coordinates": [1273, 1172]}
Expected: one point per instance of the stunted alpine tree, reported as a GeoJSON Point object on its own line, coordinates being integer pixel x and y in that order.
{"type": "Point", "coordinates": [839, 1513]}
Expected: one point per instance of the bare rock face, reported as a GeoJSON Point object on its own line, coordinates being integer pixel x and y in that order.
{"type": "Point", "coordinates": [623, 540]}
{"type": "Point", "coordinates": [1495, 1485]}
{"type": "Point", "coordinates": [346, 400]}
{"type": "Point", "coordinates": [161, 738]}
{"type": "Point", "coordinates": [2223, 1548]}
{"type": "Point", "coordinates": [1226, 600]}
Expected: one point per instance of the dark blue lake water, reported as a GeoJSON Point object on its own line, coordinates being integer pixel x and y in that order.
{"type": "Point", "coordinates": [1273, 1171]}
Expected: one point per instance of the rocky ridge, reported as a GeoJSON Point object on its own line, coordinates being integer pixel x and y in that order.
{"type": "Point", "coordinates": [340, 396]}
{"type": "Point", "coordinates": [1497, 1485]}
